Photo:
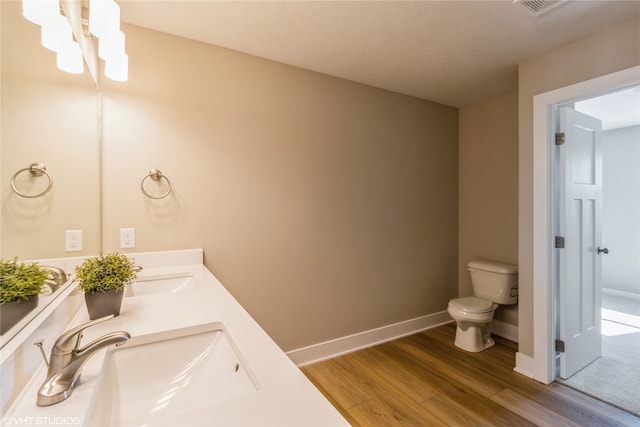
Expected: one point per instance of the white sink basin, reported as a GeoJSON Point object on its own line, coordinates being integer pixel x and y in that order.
{"type": "Point", "coordinates": [152, 285]}
{"type": "Point", "coordinates": [169, 378]}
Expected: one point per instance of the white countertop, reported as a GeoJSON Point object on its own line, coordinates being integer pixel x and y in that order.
{"type": "Point", "coordinates": [285, 397]}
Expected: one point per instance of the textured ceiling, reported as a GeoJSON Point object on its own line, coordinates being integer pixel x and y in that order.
{"type": "Point", "coordinates": [453, 52]}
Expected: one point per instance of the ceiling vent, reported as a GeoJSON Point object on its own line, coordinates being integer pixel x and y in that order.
{"type": "Point", "coordinates": [539, 7]}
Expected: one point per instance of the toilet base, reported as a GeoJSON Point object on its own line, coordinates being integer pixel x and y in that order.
{"type": "Point", "coordinates": [473, 338]}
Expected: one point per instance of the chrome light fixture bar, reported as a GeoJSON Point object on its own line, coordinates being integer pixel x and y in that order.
{"type": "Point", "coordinates": [66, 30]}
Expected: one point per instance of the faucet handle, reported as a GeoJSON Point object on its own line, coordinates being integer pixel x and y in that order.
{"type": "Point", "coordinates": [70, 340]}
{"type": "Point", "coordinates": [44, 356]}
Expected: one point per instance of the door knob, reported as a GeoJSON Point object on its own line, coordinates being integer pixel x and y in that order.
{"type": "Point", "coordinates": [602, 250]}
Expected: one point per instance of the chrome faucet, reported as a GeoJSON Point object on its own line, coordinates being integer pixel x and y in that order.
{"type": "Point", "coordinates": [67, 359]}
{"type": "Point", "coordinates": [57, 277]}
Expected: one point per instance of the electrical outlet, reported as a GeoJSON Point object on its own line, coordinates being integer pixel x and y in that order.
{"type": "Point", "coordinates": [73, 240]}
{"type": "Point", "coordinates": [127, 238]}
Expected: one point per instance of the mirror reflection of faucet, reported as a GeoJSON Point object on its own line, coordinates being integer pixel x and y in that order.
{"type": "Point", "coordinates": [67, 358]}
{"type": "Point", "coordinates": [57, 277]}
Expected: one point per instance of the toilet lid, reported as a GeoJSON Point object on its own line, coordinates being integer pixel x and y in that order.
{"type": "Point", "coordinates": [472, 304]}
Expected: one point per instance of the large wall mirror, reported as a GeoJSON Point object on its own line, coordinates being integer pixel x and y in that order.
{"type": "Point", "coordinates": [48, 117]}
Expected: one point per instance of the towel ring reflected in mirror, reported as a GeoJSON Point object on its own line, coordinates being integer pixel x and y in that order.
{"type": "Point", "coordinates": [155, 175]}
{"type": "Point", "coordinates": [36, 170]}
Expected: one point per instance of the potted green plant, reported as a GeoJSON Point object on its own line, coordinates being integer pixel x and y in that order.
{"type": "Point", "coordinates": [20, 286]}
{"type": "Point", "coordinates": [103, 280]}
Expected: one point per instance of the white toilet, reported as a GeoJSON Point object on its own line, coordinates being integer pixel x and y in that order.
{"type": "Point", "coordinates": [494, 284]}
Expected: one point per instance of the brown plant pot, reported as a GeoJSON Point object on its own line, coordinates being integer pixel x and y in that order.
{"type": "Point", "coordinates": [12, 312]}
{"type": "Point", "coordinates": [100, 304]}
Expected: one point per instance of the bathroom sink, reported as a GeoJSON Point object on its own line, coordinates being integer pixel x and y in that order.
{"type": "Point", "coordinates": [169, 378]}
{"type": "Point", "coordinates": [176, 283]}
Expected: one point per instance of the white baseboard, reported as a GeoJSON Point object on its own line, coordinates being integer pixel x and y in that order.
{"type": "Point", "coordinates": [348, 344]}
{"type": "Point", "coordinates": [524, 365]}
{"type": "Point", "coordinates": [505, 330]}
{"type": "Point", "coordinates": [624, 294]}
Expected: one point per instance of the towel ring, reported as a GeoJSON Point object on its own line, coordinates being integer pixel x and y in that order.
{"type": "Point", "coordinates": [35, 169]}
{"type": "Point", "coordinates": [155, 175]}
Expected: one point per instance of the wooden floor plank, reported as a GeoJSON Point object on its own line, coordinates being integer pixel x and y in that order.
{"type": "Point", "coordinates": [425, 380]}
{"type": "Point", "coordinates": [455, 413]}
{"type": "Point", "coordinates": [346, 390]}
{"type": "Point", "coordinates": [480, 382]}
{"type": "Point", "coordinates": [599, 410]}
{"type": "Point", "coordinates": [312, 374]}
{"type": "Point", "coordinates": [537, 414]}
{"type": "Point", "coordinates": [377, 412]}
{"type": "Point", "coordinates": [389, 404]}
{"type": "Point", "coordinates": [413, 386]}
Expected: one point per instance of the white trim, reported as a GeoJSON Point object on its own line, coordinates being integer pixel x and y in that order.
{"type": "Point", "coordinates": [504, 330]}
{"type": "Point", "coordinates": [524, 365]}
{"type": "Point", "coordinates": [543, 366]}
{"type": "Point", "coordinates": [339, 346]}
{"type": "Point", "coordinates": [623, 294]}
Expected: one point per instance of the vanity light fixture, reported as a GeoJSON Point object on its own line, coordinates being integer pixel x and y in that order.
{"type": "Point", "coordinates": [100, 21]}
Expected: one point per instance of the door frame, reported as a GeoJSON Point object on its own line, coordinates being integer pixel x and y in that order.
{"type": "Point", "coordinates": [543, 367]}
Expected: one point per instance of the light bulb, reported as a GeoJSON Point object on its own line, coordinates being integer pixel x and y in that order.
{"type": "Point", "coordinates": [104, 17]}
{"type": "Point", "coordinates": [39, 11]}
{"type": "Point", "coordinates": [69, 58]}
{"type": "Point", "coordinates": [117, 68]}
{"type": "Point", "coordinates": [56, 32]}
{"type": "Point", "coordinates": [111, 45]}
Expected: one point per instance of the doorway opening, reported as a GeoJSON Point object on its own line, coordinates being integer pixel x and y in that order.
{"type": "Point", "coordinates": [596, 208]}
{"type": "Point", "coordinates": [542, 365]}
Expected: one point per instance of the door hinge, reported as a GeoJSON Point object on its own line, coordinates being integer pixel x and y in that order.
{"type": "Point", "coordinates": [559, 243]}
{"type": "Point", "coordinates": [560, 139]}
{"type": "Point", "coordinates": [560, 346]}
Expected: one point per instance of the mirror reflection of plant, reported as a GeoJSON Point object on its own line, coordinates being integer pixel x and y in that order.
{"type": "Point", "coordinates": [20, 281]}
{"type": "Point", "coordinates": [111, 272]}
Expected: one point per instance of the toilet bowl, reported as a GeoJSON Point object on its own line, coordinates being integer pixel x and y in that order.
{"type": "Point", "coordinates": [473, 317]}
{"type": "Point", "coordinates": [493, 284]}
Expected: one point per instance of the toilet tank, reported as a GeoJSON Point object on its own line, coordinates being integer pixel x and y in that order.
{"type": "Point", "coordinates": [494, 281]}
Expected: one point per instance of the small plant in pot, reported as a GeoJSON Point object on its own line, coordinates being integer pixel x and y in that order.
{"type": "Point", "coordinates": [20, 285]}
{"type": "Point", "coordinates": [103, 280]}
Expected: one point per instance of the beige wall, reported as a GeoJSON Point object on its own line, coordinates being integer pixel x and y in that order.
{"type": "Point", "coordinates": [326, 207]}
{"type": "Point", "coordinates": [50, 117]}
{"type": "Point", "coordinates": [488, 188]}
{"type": "Point", "coordinates": [614, 49]}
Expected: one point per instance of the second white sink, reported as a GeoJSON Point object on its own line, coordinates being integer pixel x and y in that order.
{"type": "Point", "coordinates": [153, 285]}
{"type": "Point", "coordinates": [169, 378]}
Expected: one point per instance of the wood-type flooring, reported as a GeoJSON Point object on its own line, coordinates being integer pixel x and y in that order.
{"type": "Point", "coordinates": [424, 380]}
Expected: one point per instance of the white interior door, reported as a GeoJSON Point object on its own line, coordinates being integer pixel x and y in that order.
{"type": "Point", "coordinates": [579, 262]}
